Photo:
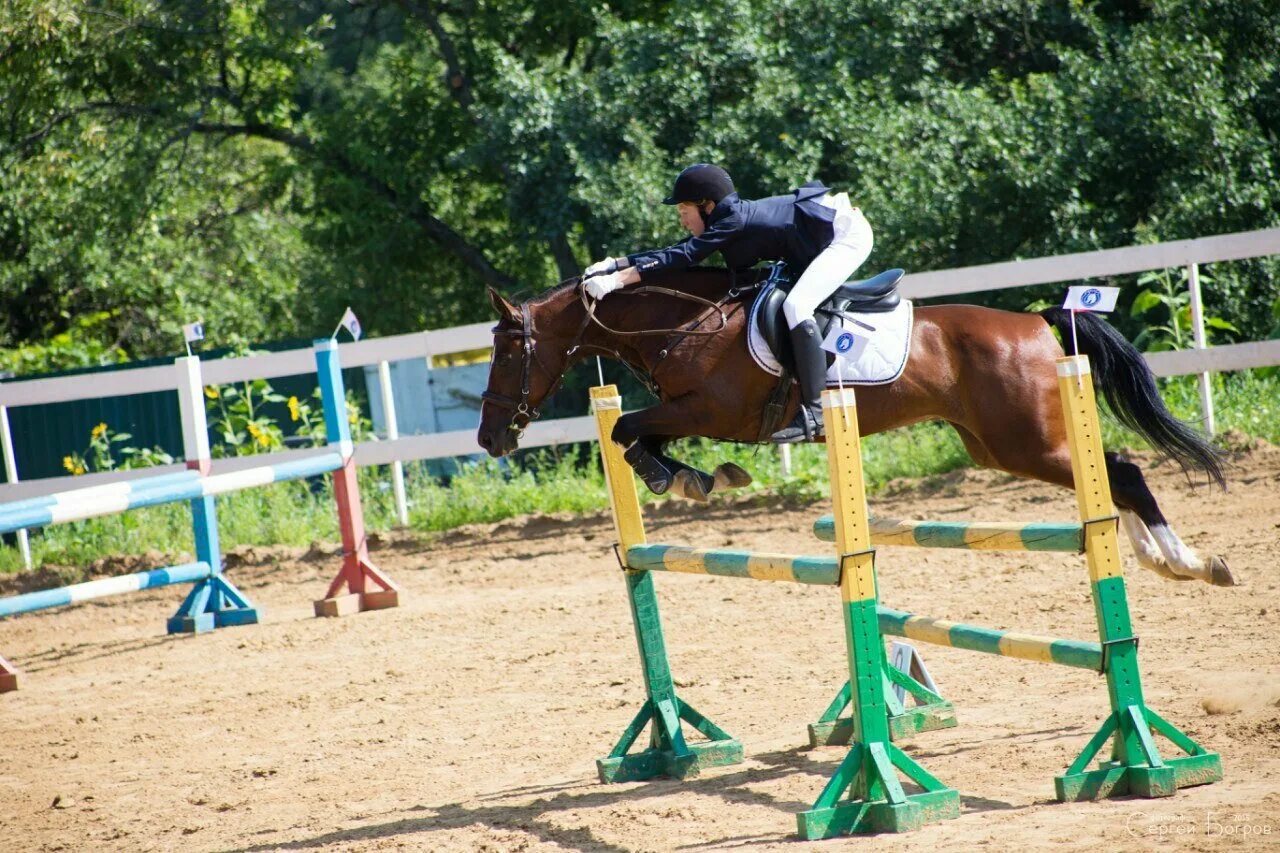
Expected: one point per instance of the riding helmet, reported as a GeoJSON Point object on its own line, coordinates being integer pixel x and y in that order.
{"type": "Point", "coordinates": [700, 181]}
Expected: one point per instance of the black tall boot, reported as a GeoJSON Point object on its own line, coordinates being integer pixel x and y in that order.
{"type": "Point", "coordinates": [811, 373]}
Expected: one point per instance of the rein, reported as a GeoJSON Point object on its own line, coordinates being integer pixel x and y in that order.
{"type": "Point", "coordinates": [717, 307]}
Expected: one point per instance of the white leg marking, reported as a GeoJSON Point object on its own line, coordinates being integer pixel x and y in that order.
{"type": "Point", "coordinates": [1144, 545]}
{"type": "Point", "coordinates": [1181, 559]}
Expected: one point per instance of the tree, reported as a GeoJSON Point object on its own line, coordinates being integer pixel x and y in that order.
{"type": "Point", "coordinates": [263, 164]}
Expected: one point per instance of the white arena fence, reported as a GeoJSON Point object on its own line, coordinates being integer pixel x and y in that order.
{"type": "Point", "coordinates": [395, 449]}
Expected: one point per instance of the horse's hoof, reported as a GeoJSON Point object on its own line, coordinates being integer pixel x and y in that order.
{"type": "Point", "coordinates": [688, 485]}
{"type": "Point", "coordinates": [730, 476]}
{"type": "Point", "coordinates": [1219, 574]}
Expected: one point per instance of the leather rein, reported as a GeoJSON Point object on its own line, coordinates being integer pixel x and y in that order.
{"type": "Point", "coordinates": [528, 335]}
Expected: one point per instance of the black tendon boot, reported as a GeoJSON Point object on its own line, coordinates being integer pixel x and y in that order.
{"type": "Point", "coordinates": [811, 372]}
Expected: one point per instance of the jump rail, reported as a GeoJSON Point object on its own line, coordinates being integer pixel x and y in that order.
{"type": "Point", "coordinates": [825, 571]}
{"type": "Point", "coordinates": [971, 535]}
{"type": "Point", "coordinates": [213, 601]}
{"type": "Point", "coordinates": [865, 794]}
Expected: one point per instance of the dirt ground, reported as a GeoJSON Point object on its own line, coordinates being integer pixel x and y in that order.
{"type": "Point", "coordinates": [470, 717]}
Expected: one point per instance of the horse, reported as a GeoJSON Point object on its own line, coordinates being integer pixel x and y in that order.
{"type": "Point", "coordinates": [989, 374]}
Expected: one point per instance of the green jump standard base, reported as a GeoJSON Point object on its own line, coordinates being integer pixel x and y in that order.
{"type": "Point", "coordinates": [668, 753]}
{"type": "Point", "coordinates": [833, 815]}
{"type": "Point", "coordinates": [930, 713]}
{"type": "Point", "coordinates": [1135, 766]}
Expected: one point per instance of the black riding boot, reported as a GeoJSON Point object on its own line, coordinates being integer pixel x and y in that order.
{"type": "Point", "coordinates": [811, 372]}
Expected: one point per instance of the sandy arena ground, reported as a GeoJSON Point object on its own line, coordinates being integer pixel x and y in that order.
{"type": "Point", "coordinates": [470, 717]}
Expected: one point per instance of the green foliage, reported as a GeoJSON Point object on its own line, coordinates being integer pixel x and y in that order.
{"type": "Point", "coordinates": [243, 419]}
{"type": "Point", "coordinates": [260, 165]}
{"type": "Point", "coordinates": [80, 345]}
{"type": "Point", "coordinates": [101, 451]}
{"type": "Point", "coordinates": [1172, 299]}
{"type": "Point", "coordinates": [238, 421]}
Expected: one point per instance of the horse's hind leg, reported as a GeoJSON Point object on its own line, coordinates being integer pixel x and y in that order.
{"type": "Point", "coordinates": [1040, 454]}
{"type": "Point", "coordinates": [1147, 527]}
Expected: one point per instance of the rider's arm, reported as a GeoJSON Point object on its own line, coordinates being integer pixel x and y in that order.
{"type": "Point", "coordinates": [687, 252]}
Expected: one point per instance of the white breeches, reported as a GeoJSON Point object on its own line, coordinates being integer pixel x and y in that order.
{"type": "Point", "coordinates": [834, 265]}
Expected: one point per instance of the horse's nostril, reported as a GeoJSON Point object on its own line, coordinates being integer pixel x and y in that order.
{"type": "Point", "coordinates": [485, 441]}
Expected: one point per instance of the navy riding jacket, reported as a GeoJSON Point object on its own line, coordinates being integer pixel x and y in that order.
{"type": "Point", "coordinates": [794, 228]}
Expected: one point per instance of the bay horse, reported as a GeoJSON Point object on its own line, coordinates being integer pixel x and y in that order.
{"type": "Point", "coordinates": [988, 373]}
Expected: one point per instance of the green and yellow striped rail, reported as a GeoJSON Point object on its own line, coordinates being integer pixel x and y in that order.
{"type": "Point", "coordinates": [823, 571]}
{"type": "Point", "coordinates": [972, 535]}
{"type": "Point", "coordinates": [1009, 644]}
{"type": "Point", "coordinates": [752, 565]}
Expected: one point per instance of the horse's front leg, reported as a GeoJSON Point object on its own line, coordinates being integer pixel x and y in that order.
{"type": "Point", "coordinates": [686, 481]}
{"type": "Point", "coordinates": [644, 434]}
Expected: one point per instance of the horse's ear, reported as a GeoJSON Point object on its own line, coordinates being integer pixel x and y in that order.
{"type": "Point", "coordinates": [505, 309]}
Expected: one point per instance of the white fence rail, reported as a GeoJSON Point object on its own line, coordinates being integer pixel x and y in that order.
{"type": "Point", "coordinates": [1099, 264]}
{"type": "Point", "coordinates": [222, 371]}
{"type": "Point", "coordinates": [1107, 262]}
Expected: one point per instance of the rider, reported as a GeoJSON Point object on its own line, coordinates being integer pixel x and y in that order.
{"type": "Point", "coordinates": [819, 234]}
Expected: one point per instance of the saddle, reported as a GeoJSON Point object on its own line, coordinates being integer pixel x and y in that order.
{"type": "Point", "coordinates": [875, 295]}
{"type": "Point", "coordinates": [878, 294]}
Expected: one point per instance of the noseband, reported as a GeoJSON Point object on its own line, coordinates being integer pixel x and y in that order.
{"type": "Point", "coordinates": [520, 407]}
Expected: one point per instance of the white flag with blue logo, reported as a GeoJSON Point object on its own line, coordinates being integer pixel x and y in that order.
{"type": "Point", "coordinates": [193, 332]}
{"type": "Point", "coordinates": [844, 343]}
{"type": "Point", "coordinates": [1086, 297]}
{"type": "Point", "coordinates": [351, 322]}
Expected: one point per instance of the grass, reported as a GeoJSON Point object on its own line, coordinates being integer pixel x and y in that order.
{"type": "Point", "coordinates": [568, 480]}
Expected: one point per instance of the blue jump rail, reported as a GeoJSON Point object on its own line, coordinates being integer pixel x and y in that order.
{"type": "Point", "coordinates": [103, 492]}
{"type": "Point", "coordinates": [31, 601]}
{"type": "Point", "coordinates": [170, 488]}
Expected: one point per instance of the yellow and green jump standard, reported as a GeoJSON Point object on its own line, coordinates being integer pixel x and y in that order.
{"type": "Point", "coordinates": [865, 794]}
{"type": "Point", "coordinates": [1135, 765]}
{"type": "Point", "coordinates": [668, 754]}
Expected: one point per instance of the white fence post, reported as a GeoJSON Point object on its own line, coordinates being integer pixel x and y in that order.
{"type": "Point", "coordinates": [1197, 326]}
{"type": "Point", "coordinates": [393, 433]}
{"type": "Point", "coordinates": [11, 471]}
{"type": "Point", "coordinates": [784, 450]}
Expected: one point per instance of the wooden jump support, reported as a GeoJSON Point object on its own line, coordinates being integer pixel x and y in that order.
{"type": "Point", "coordinates": [865, 794]}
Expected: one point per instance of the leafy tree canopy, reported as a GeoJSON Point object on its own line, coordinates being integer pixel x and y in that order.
{"type": "Point", "coordinates": [261, 164]}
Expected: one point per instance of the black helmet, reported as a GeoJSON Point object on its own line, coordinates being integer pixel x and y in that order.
{"type": "Point", "coordinates": [700, 181]}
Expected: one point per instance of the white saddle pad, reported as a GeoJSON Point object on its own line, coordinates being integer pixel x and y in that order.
{"type": "Point", "coordinates": [883, 360]}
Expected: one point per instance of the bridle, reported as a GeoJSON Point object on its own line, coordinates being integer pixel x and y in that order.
{"type": "Point", "coordinates": [529, 357]}
{"type": "Point", "coordinates": [521, 407]}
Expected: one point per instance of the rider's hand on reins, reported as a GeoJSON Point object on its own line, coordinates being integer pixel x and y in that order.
{"type": "Point", "coordinates": [608, 265]}
{"type": "Point", "coordinates": [602, 285]}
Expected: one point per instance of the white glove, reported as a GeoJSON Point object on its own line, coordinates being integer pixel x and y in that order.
{"type": "Point", "coordinates": [602, 285]}
{"type": "Point", "coordinates": [608, 265]}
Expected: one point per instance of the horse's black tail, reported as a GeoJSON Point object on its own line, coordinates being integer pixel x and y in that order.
{"type": "Point", "coordinates": [1121, 374]}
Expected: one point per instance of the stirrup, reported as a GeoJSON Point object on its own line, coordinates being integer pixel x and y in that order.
{"type": "Point", "coordinates": [805, 426]}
